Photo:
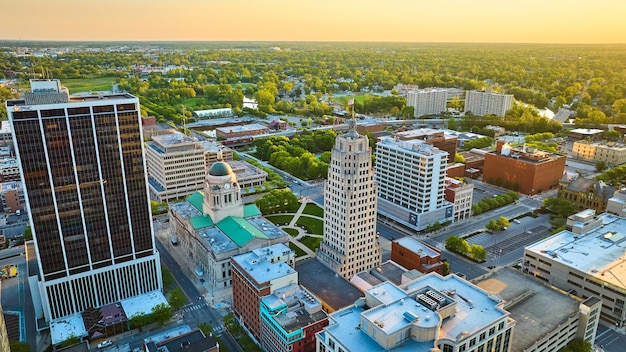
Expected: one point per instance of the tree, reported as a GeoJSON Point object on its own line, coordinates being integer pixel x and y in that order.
{"type": "Point", "coordinates": [612, 135]}
{"type": "Point", "coordinates": [18, 346]}
{"type": "Point", "coordinates": [446, 268]}
{"type": "Point", "coordinates": [458, 158]}
{"type": "Point", "coordinates": [601, 166]}
{"type": "Point", "coordinates": [161, 313]}
{"type": "Point", "coordinates": [478, 252]}
{"type": "Point", "coordinates": [265, 98]}
{"type": "Point", "coordinates": [493, 226]}
{"type": "Point", "coordinates": [578, 345]}
{"type": "Point", "coordinates": [503, 222]}
{"type": "Point", "coordinates": [558, 206]}
{"type": "Point", "coordinates": [176, 298]}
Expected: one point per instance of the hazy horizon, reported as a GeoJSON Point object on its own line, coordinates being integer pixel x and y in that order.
{"type": "Point", "coordinates": [401, 21]}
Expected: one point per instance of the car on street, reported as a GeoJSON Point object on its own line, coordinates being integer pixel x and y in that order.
{"type": "Point", "coordinates": [516, 221]}
{"type": "Point", "coordinates": [105, 343]}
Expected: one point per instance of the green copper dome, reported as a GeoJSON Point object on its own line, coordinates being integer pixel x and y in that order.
{"type": "Point", "coordinates": [220, 169]}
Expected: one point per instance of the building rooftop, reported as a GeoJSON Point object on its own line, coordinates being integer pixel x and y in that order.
{"type": "Point", "coordinates": [259, 263]}
{"type": "Point", "coordinates": [329, 287]}
{"type": "Point", "coordinates": [417, 247]}
{"type": "Point", "coordinates": [588, 131]}
{"type": "Point", "coordinates": [143, 304]}
{"type": "Point", "coordinates": [468, 298]}
{"type": "Point", "coordinates": [536, 308]}
{"type": "Point", "coordinates": [599, 253]}
{"type": "Point", "coordinates": [67, 327]}
{"type": "Point", "coordinates": [211, 146]}
{"type": "Point", "coordinates": [413, 146]}
{"type": "Point", "coordinates": [298, 307]}
{"type": "Point", "coordinates": [190, 341]}
{"type": "Point", "coordinates": [395, 309]}
{"type": "Point", "coordinates": [230, 233]}
{"type": "Point", "coordinates": [242, 128]}
{"type": "Point", "coordinates": [172, 139]}
{"type": "Point", "coordinates": [584, 184]}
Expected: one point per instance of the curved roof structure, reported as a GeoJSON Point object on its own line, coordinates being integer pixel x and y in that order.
{"type": "Point", "coordinates": [220, 168]}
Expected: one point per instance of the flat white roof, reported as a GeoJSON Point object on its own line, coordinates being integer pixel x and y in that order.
{"type": "Point", "coordinates": [143, 304]}
{"type": "Point", "coordinates": [418, 247]}
{"type": "Point", "coordinates": [64, 328]}
{"type": "Point", "coordinates": [256, 263]}
{"type": "Point", "coordinates": [600, 253]}
{"type": "Point", "coordinates": [242, 128]}
{"type": "Point", "coordinates": [586, 131]}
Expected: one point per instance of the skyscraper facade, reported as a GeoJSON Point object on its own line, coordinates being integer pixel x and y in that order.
{"type": "Point", "coordinates": [350, 244]}
{"type": "Point", "coordinates": [81, 159]}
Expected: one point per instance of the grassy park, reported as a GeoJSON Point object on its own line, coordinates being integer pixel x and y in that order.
{"type": "Point", "coordinates": [78, 85]}
{"type": "Point", "coordinates": [313, 209]}
{"type": "Point", "coordinates": [311, 225]}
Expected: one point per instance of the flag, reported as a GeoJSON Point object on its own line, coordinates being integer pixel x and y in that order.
{"type": "Point", "coordinates": [351, 101]}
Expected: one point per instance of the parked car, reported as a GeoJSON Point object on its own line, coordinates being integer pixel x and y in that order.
{"type": "Point", "coordinates": [516, 221]}
{"type": "Point", "coordinates": [105, 343]}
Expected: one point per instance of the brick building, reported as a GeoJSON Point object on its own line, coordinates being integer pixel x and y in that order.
{"type": "Point", "coordinates": [461, 194]}
{"type": "Point", "coordinates": [586, 193]}
{"type": "Point", "coordinates": [527, 170]}
{"type": "Point", "coordinates": [413, 254]}
{"type": "Point", "coordinates": [257, 274]}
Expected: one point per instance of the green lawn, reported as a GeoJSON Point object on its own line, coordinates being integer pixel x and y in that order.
{"type": "Point", "coordinates": [298, 250]}
{"type": "Point", "coordinates": [77, 85]}
{"type": "Point", "coordinates": [312, 225]}
{"type": "Point", "coordinates": [192, 102]}
{"type": "Point", "coordinates": [279, 219]}
{"type": "Point", "coordinates": [312, 242]}
{"type": "Point", "coordinates": [313, 209]}
{"type": "Point", "coordinates": [292, 232]}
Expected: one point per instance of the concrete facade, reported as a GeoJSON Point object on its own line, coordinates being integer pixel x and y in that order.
{"type": "Point", "coordinates": [410, 176]}
{"type": "Point", "coordinates": [460, 194]}
{"type": "Point", "coordinates": [487, 103]}
{"type": "Point", "coordinates": [610, 153]}
{"type": "Point", "coordinates": [427, 101]}
{"type": "Point", "coordinates": [350, 244]}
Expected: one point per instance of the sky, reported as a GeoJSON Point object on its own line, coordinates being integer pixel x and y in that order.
{"type": "Point", "coordinates": [499, 21]}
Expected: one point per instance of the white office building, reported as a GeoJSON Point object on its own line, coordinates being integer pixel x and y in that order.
{"type": "Point", "coordinates": [350, 244]}
{"type": "Point", "coordinates": [176, 166]}
{"type": "Point", "coordinates": [487, 103]}
{"type": "Point", "coordinates": [427, 101]}
{"type": "Point", "coordinates": [411, 182]}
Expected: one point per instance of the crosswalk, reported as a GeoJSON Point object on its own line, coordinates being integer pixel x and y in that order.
{"type": "Point", "coordinates": [195, 307]}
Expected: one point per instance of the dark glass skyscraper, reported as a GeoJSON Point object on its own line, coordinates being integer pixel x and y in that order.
{"type": "Point", "coordinates": [81, 159]}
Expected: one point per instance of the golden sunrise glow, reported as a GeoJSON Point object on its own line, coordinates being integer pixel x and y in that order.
{"type": "Point", "coordinates": [531, 21]}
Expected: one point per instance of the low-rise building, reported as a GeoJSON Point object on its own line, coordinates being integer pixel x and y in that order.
{"type": "Point", "coordinates": [290, 318]}
{"type": "Point", "coordinates": [585, 133]}
{"type": "Point", "coordinates": [256, 274]}
{"type": "Point", "coordinates": [460, 194]}
{"type": "Point", "coordinates": [546, 319]}
{"type": "Point", "coordinates": [250, 130]}
{"type": "Point", "coordinates": [527, 170]}
{"type": "Point", "coordinates": [415, 255]}
{"type": "Point", "coordinates": [9, 169]}
{"type": "Point", "coordinates": [585, 193]}
{"type": "Point", "coordinates": [610, 153]}
{"type": "Point", "coordinates": [430, 313]}
{"type": "Point", "coordinates": [12, 197]}
{"type": "Point", "coordinates": [585, 260]}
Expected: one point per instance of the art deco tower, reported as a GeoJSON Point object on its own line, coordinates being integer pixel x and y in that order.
{"type": "Point", "coordinates": [81, 159]}
{"type": "Point", "coordinates": [350, 244]}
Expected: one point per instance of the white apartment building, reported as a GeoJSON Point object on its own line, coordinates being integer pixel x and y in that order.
{"type": "Point", "coordinates": [431, 313]}
{"type": "Point", "coordinates": [411, 182]}
{"type": "Point", "coordinates": [616, 205]}
{"type": "Point", "coordinates": [176, 166]}
{"type": "Point", "coordinates": [610, 153]}
{"type": "Point", "coordinates": [585, 260]}
{"type": "Point", "coordinates": [427, 101]}
{"type": "Point", "coordinates": [487, 103]}
{"type": "Point", "coordinates": [350, 244]}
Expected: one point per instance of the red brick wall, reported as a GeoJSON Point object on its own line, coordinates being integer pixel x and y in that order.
{"type": "Point", "coordinates": [411, 260]}
{"type": "Point", "coordinates": [531, 177]}
{"type": "Point", "coordinates": [246, 301]}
